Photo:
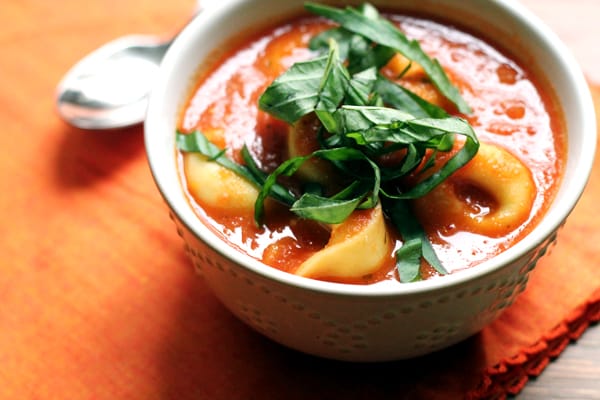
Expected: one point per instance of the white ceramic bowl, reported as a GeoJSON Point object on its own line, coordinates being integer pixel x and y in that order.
{"type": "Point", "coordinates": [351, 322]}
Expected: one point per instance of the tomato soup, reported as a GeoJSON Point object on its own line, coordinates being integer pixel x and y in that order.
{"type": "Point", "coordinates": [510, 109]}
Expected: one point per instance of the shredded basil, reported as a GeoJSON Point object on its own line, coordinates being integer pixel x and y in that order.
{"type": "Point", "coordinates": [367, 23]}
{"type": "Point", "coordinates": [364, 116]}
{"type": "Point", "coordinates": [407, 263]}
{"type": "Point", "coordinates": [196, 142]}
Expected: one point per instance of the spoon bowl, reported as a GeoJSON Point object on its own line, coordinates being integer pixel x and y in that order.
{"type": "Point", "coordinates": [109, 88]}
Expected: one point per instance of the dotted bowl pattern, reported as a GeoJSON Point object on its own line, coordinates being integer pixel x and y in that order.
{"type": "Point", "coordinates": [359, 328]}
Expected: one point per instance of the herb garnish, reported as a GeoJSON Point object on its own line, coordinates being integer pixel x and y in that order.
{"type": "Point", "coordinates": [364, 116]}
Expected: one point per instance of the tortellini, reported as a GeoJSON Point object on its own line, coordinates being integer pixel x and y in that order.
{"type": "Point", "coordinates": [357, 247]}
{"type": "Point", "coordinates": [302, 141]}
{"type": "Point", "coordinates": [217, 187]}
{"type": "Point", "coordinates": [492, 195]}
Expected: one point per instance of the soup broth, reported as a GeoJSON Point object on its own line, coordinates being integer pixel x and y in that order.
{"type": "Point", "coordinates": [511, 110]}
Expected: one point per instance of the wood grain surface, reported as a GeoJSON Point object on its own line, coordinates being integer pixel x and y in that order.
{"type": "Point", "coordinates": [574, 375]}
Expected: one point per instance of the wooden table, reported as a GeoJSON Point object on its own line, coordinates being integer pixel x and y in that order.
{"type": "Point", "coordinates": [574, 375]}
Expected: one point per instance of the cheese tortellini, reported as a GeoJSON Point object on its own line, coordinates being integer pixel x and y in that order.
{"type": "Point", "coordinates": [492, 195]}
{"type": "Point", "coordinates": [217, 187]}
{"type": "Point", "coordinates": [357, 247]}
{"type": "Point", "coordinates": [302, 141]}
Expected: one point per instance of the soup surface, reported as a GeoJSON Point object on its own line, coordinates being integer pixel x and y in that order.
{"type": "Point", "coordinates": [510, 111]}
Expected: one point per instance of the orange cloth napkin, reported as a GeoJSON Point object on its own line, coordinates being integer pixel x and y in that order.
{"type": "Point", "coordinates": [97, 300]}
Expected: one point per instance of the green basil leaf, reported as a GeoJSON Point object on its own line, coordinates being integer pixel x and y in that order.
{"type": "Point", "coordinates": [408, 260]}
{"type": "Point", "coordinates": [362, 54]}
{"type": "Point", "coordinates": [360, 87]}
{"type": "Point", "coordinates": [362, 118]}
{"type": "Point", "coordinates": [411, 231]}
{"type": "Point", "coordinates": [383, 32]}
{"type": "Point", "coordinates": [349, 191]}
{"type": "Point", "coordinates": [411, 160]}
{"type": "Point", "coordinates": [344, 37]}
{"type": "Point", "coordinates": [401, 98]}
{"type": "Point", "coordinates": [252, 166]}
{"type": "Point", "coordinates": [320, 42]}
{"type": "Point", "coordinates": [196, 142]}
{"type": "Point", "coordinates": [335, 80]}
{"type": "Point", "coordinates": [323, 209]}
{"type": "Point", "coordinates": [287, 168]}
{"type": "Point", "coordinates": [278, 192]}
{"type": "Point", "coordinates": [448, 125]}
{"type": "Point", "coordinates": [295, 93]}
{"type": "Point", "coordinates": [462, 157]}
{"type": "Point", "coordinates": [333, 88]}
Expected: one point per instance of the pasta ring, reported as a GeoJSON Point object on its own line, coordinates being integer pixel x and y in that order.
{"type": "Point", "coordinates": [215, 186]}
{"type": "Point", "coordinates": [492, 195]}
{"type": "Point", "coordinates": [302, 141]}
{"type": "Point", "coordinates": [357, 247]}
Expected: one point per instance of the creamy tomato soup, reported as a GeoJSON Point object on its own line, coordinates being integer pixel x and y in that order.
{"type": "Point", "coordinates": [479, 211]}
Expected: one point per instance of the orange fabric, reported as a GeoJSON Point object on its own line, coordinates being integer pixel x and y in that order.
{"type": "Point", "coordinates": [98, 301]}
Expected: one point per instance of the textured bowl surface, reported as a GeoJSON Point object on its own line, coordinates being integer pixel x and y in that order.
{"type": "Point", "coordinates": [364, 323]}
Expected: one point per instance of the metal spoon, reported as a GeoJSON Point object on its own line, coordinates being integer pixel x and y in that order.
{"type": "Point", "coordinates": [109, 88]}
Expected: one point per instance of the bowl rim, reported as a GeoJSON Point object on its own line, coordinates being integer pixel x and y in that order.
{"type": "Point", "coordinates": [528, 244]}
